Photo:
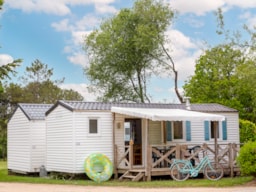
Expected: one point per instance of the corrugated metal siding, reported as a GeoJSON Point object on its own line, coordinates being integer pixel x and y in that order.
{"type": "Point", "coordinates": [197, 131]}
{"type": "Point", "coordinates": [232, 127]}
{"type": "Point", "coordinates": [59, 141]}
{"type": "Point", "coordinates": [154, 131]}
{"type": "Point", "coordinates": [85, 143]}
{"type": "Point", "coordinates": [38, 144]}
{"type": "Point", "coordinates": [18, 143]}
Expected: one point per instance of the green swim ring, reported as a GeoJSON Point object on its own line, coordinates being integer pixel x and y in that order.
{"type": "Point", "coordinates": [98, 167]}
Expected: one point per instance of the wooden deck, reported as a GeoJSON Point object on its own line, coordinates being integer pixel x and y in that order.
{"type": "Point", "coordinates": [158, 159]}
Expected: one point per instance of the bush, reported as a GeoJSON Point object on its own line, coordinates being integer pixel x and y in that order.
{"type": "Point", "coordinates": [247, 159]}
{"type": "Point", "coordinates": [247, 131]}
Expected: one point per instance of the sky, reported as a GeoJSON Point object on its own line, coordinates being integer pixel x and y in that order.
{"type": "Point", "coordinates": [53, 31]}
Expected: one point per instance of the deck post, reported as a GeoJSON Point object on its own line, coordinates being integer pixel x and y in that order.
{"type": "Point", "coordinates": [114, 147]}
{"type": "Point", "coordinates": [131, 154]}
{"type": "Point", "coordinates": [115, 162]}
{"type": "Point", "coordinates": [216, 145]}
{"type": "Point", "coordinates": [149, 163]}
{"type": "Point", "coordinates": [148, 153]}
{"type": "Point", "coordinates": [231, 159]}
{"type": "Point", "coordinates": [178, 152]}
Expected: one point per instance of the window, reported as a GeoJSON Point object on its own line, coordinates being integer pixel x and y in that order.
{"type": "Point", "coordinates": [177, 130]}
{"type": "Point", "coordinates": [93, 126]}
{"type": "Point", "coordinates": [215, 126]}
{"type": "Point", "coordinates": [127, 127]}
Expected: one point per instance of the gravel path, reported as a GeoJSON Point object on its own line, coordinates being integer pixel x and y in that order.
{"type": "Point", "coordinates": [24, 187]}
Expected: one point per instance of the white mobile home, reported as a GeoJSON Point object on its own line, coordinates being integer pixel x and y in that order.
{"type": "Point", "coordinates": [128, 132]}
{"type": "Point", "coordinates": [26, 138]}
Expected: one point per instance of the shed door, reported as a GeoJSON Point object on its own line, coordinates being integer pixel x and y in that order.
{"type": "Point", "coordinates": [133, 132]}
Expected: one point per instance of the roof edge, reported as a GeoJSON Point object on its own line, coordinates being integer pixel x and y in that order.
{"type": "Point", "coordinates": [61, 103]}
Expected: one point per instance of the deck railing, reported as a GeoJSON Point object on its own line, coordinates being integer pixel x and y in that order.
{"type": "Point", "coordinates": [160, 156]}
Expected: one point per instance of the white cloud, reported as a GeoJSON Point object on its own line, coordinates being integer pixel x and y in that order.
{"type": "Point", "coordinates": [58, 7]}
{"type": "Point", "coordinates": [5, 59]}
{"type": "Point", "coordinates": [201, 7]}
{"type": "Point", "coordinates": [105, 8]}
{"type": "Point", "coordinates": [184, 53]}
{"type": "Point", "coordinates": [198, 7]}
{"type": "Point", "coordinates": [241, 4]}
{"type": "Point", "coordinates": [250, 19]}
{"type": "Point", "coordinates": [88, 22]}
{"type": "Point", "coordinates": [78, 37]}
{"type": "Point", "coordinates": [82, 89]}
{"type": "Point", "coordinates": [78, 58]}
{"type": "Point", "coordinates": [78, 33]}
{"type": "Point", "coordinates": [63, 25]}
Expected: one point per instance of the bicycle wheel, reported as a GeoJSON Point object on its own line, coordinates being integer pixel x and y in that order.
{"type": "Point", "coordinates": [213, 171]}
{"type": "Point", "coordinates": [180, 171]}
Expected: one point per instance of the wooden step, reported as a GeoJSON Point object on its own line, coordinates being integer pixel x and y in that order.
{"type": "Point", "coordinates": [133, 175]}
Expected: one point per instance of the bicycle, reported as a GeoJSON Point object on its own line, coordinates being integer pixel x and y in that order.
{"type": "Point", "coordinates": [181, 170]}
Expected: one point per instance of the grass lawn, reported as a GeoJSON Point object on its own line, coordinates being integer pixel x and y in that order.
{"type": "Point", "coordinates": [224, 182]}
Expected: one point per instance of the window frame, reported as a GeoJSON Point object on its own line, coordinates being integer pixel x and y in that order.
{"type": "Point", "coordinates": [183, 131]}
{"type": "Point", "coordinates": [212, 125]}
{"type": "Point", "coordinates": [98, 125]}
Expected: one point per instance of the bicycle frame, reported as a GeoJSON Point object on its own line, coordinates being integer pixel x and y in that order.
{"type": "Point", "coordinates": [193, 171]}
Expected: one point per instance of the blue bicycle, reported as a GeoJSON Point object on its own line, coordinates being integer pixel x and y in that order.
{"type": "Point", "coordinates": [181, 170]}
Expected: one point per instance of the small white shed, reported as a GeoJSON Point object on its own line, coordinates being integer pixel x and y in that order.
{"type": "Point", "coordinates": [75, 130]}
{"type": "Point", "coordinates": [26, 138]}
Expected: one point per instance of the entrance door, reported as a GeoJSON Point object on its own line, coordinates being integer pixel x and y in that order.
{"type": "Point", "coordinates": [133, 132]}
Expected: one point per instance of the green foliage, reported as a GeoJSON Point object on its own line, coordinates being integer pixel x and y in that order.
{"type": "Point", "coordinates": [1, 4]}
{"type": "Point", "coordinates": [247, 131]}
{"type": "Point", "coordinates": [214, 79]}
{"type": "Point", "coordinates": [247, 159]}
{"type": "Point", "coordinates": [246, 88]}
{"type": "Point", "coordinates": [227, 76]}
{"type": "Point", "coordinates": [38, 87]}
{"type": "Point", "coordinates": [3, 139]}
{"type": "Point", "coordinates": [226, 73]}
{"type": "Point", "coordinates": [122, 51]}
{"type": "Point", "coordinates": [5, 70]}
{"type": "Point", "coordinates": [38, 72]}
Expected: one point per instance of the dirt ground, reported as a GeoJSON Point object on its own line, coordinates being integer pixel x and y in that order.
{"type": "Point", "coordinates": [24, 187]}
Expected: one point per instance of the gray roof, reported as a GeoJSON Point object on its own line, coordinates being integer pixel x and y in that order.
{"type": "Point", "coordinates": [34, 111]}
{"type": "Point", "coordinates": [84, 106]}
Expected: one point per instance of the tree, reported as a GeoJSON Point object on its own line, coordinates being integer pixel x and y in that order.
{"type": "Point", "coordinates": [247, 131]}
{"type": "Point", "coordinates": [246, 88]}
{"type": "Point", "coordinates": [5, 70]}
{"type": "Point", "coordinates": [38, 87]}
{"type": "Point", "coordinates": [127, 50]}
{"type": "Point", "coordinates": [226, 73]}
{"type": "Point", "coordinates": [214, 79]}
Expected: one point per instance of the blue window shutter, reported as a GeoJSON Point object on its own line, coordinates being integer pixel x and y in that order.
{"type": "Point", "coordinates": [188, 131]}
{"type": "Point", "coordinates": [168, 131]}
{"type": "Point", "coordinates": [224, 130]}
{"type": "Point", "coordinates": [206, 131]}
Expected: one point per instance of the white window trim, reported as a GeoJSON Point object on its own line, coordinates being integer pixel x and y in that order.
{"type": "Point", "coordinates": [220, 132]}
{"type": "Point", "coordinates": [98, 127]}
{"type": "Point", "coordinates": [183, 132]}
